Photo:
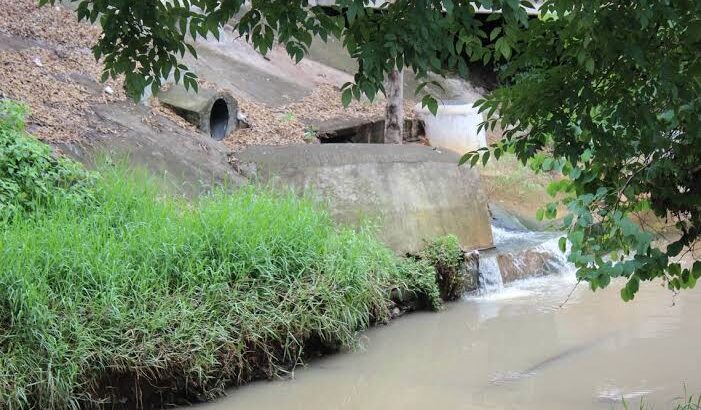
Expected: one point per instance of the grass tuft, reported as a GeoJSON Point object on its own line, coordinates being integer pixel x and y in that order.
{"type": "Point", "coordinates": [445, 255]}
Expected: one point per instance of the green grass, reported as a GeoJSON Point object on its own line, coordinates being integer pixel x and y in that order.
{"type": "Point", "coordinates": [136, 298]}
{"type": "Point", "coordinates": [30, 175]}
{"type": "Point", "coordinates": [685, 402]}
{"type": "Point", "coordinates": [508, 177]}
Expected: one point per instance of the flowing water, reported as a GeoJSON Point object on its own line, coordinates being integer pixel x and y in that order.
{"type": "Point", "coordinates": [510, 240]}
{"type": "Point", "coordinates": [514, 346]}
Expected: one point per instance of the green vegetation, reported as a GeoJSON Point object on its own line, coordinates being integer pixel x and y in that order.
{"type": "Point", "coordinates": [310, 133]}
{"type": "Point", "coordinates": [434, 35]}
{"type": "Point", "coordinates": [133, 298]}
{"type": "Point", "coordinates": [446, 256]}
{"type": "Point", "coordinates": [605, 92]}
{"type": "Point", "coordinates": [686, 402]}
{"type": "Point", "coordinates": [30, 175]}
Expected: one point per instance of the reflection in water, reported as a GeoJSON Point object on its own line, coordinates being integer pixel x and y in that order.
{"type": "Point", "coordinates": [517, 349]}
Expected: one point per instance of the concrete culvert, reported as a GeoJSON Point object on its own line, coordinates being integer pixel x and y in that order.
{"type": "Point", "coordinates": [219, 119]}
{"type": "Point", "coordinates": [213, 112]}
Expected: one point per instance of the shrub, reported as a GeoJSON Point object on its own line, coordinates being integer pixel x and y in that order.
{"type": "Point", "coordinates": [447, 257]}
{"type": "Point", "coordinates": [138, 298]}
{"type": "Point", "coordinates": [30, 175]}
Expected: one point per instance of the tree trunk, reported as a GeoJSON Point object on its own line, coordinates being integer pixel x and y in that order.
{"type": "Point", "coordinates": [394, 114]}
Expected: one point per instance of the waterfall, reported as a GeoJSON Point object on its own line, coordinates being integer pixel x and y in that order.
{"type": "Point", "coordinates": [521, 247]}
{"type": "Point", "coordinates": [490, 279]}
{"type": "Point", "coordinates": [559, 262]}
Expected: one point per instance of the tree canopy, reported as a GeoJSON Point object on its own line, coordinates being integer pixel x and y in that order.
{"type": "Point", "coordinates": [609, 93]}
{"type": "Point", "coordinates": [606, 92]}
{"type": "Point", "coordinates": [145, 40]}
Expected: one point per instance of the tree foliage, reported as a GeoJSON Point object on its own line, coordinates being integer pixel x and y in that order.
{"type": "Point", "coordinates": [606, 92]}
{"type": "Point", "coordinates": [145, 40]}
{"type": "Point", "coordinates": [609, 93]}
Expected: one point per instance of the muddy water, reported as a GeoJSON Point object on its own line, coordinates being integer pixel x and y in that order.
{"type": "Point", "coordinates": [516, 349]}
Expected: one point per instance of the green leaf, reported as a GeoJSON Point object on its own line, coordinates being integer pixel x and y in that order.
{"type": "Point", "coordinates": [626, 295]}
{"type": "Point", "coordinates": [485, 158]}
{"type": "Point", "coordinates": [696, 270]}
{"type": "Point", "coordinates": [430, 102]}
{"type": "Point", "coordinates": [694, 31]}
{"type": "Point", "coordinates": [497, 153]}
{"type": "Point", "coordinates": [436, 63]}
{"type": "Point", "coordinates": [587, 155]}
{"type": "Point", "coordinates": [633, 285]}
{"type": "Point", "coordinates": [347, 97]}
{"type": "Point", "coordinates": [448, 6]}
{"type": "Point", "coordinates": [553, 188]}
{"type": "Point", "coordinates": [502, 46]}
{"type": "Point", "coordinates": [575, 173]}
{"type": "Point", "coordinates": [674, 248]}
{"type": "Point", "coordinates": [576, 238]}
{"type": "Point", "coordinates": [667, 116]}
{"type": "Point", "coordinates": [562, 244]}
{"type": "Point", "coordinates": [191, 49]}
{"type": "Point", "coordinates": [604, 280]}
{"type": "Point", "coordinates": [567, 221]}
{"type": "Point", "coordinates": [674, 269]}
{"type": "Point", "coordinates": [474, 160]}
{"type": "Point", "coordinates": [691, 281]}
{"type": "Point", "coordinates": [547, 164]}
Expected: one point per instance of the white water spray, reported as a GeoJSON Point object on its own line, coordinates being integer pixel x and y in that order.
{"type": "Point", "coordinates": [491, 278]}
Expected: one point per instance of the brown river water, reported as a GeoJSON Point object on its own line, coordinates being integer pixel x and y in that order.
{"type": "Point", "coordinates": [513, 349]}
{"type": "Point", "coordinates": [537, 344]}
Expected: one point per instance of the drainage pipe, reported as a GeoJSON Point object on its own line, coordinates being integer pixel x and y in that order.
{"type": "Point", "coordinates": [213, 112]}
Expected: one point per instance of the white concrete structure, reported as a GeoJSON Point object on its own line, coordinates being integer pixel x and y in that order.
{"type": "Point", "coordinates": [454, 126]}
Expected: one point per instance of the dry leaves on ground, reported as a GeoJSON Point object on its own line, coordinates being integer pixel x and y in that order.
{"type": "Point", "coordinates": [53, 87]}
{"type": "Point", "coordinates": [55, 25]}
{"type": "Point", "coordinates": [289, 124]}
{"type": "Point", "coordinates": [59, 80]}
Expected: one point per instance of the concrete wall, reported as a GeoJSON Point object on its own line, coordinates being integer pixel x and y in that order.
{"type": "Point", "coordinates": [416, 193]}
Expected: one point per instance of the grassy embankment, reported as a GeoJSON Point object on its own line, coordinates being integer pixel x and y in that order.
{"type": "Point", "coordinates": [115, 294]}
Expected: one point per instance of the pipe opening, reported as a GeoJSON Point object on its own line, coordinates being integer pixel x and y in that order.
{"type": "Point", "coordinates": [219, 119]}
{"type": "Point", "coordinates": [363, 131]}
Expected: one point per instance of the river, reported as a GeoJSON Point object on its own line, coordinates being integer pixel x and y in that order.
{"type": "Point", "coordinates": [513, 349]}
